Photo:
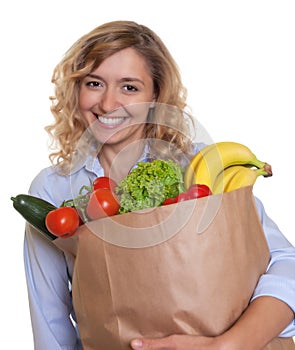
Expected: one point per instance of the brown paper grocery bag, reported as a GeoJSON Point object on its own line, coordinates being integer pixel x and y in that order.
{"type": "Point", "coordinates": [186, 268]}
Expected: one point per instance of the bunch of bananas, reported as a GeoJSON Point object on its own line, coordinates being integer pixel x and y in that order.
{"type": "Point", "coordinates": [225, 166]}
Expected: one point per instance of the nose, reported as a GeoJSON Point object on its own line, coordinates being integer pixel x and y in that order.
{"type": "Point", "coordinates": [109, 101]}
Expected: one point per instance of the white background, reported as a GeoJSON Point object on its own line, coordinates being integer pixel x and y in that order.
{"type": "Point", "coordinates": [237, 61]}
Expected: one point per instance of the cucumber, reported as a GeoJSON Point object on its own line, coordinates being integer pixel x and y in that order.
{"type": "Point", "coordinates": [34, 211]}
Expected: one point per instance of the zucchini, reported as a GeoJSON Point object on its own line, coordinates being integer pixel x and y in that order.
{"type": "Point", "coordinates": [34, 211]}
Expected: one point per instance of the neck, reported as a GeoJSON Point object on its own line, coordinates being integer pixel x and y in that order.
{"type": "Point", "coordinates": [117, 163]}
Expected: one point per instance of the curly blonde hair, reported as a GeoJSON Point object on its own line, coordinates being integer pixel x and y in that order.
{"type": "Point", "coordinates": [84, 56]}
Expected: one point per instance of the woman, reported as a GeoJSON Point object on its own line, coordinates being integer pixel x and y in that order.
{"type": "Point", "coordinates": [117, 65]}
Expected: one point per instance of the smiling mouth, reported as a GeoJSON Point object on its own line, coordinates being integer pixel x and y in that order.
{"type": "Point", "coordinates": [111, 121]}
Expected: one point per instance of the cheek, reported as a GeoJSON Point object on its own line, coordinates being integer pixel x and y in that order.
{"type": "Point", "coordinates": [83, 101]}
{"type": "Point", "coordinates": [84, 107]}
{"type": "Point", "coordinates": [86, 99]}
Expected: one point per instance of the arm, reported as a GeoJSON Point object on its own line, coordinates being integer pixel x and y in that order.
{"type": "Point", "coordinates": [49, 296]}
{"type": "Point", "coordinates": [279, 280]}
{"type": "Point", "coordinates": [270, 313]}
{"type": "Point", "coordinates": [47, 270]}
{"type": "Point", "coordinates": [256, 327]}
{"type": "Point", "coordinates": [264, 319]}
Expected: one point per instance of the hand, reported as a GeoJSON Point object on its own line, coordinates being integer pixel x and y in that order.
{"type": "Point", "coordinates": [177, 342]}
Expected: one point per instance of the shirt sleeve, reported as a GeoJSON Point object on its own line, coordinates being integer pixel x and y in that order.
{"type": "Point", "coordinates": [48, 291]}
{"type": "Point", "coordinates": [279, 279]}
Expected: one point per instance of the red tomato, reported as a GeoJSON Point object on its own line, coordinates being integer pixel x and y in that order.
{"type": "Point", "coordinates": [62, 222]}
{"type": "Point", "coordinates": [102, 202]}
{"type": "Point", "coordinates": [183, 196]}
{"type": "Point", "coordinates": [169, 201]}
{"type": "Point", "coordinates": [198, 191]}
{"type": "Point", "coordinates": [104, 182]}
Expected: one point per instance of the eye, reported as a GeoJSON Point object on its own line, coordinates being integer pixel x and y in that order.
{"type": "Point", "coordinates": [94, 83]}
{"type": "Point", "coordinates": [130, 88]}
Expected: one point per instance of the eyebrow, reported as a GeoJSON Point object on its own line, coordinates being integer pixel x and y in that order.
{"type": "Point", "coordinates": [125, 79]}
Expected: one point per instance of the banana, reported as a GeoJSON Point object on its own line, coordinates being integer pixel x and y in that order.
{"type": "Point", "coordinates": [190, 169]}
{"type": "Point", "coordinates": [237, 176]}
{"type": "Point", "coordinates": [217, 157]}
{"type": "Point", "coordinates": [224, 177]}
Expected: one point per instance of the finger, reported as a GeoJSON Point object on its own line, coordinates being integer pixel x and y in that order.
{"type": "Point", "coordinates": [150, 344]}
{"type": "Point", "coordinates": [173, 342]}
{"type": "Point", "coordinates": [136, 344]}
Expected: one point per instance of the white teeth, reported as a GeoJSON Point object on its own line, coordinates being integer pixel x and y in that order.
{"type": "Point", "coordinates": [111, 121]}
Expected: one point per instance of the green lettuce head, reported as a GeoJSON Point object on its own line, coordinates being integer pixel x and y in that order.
{"type": "Point", "coordinates": [149, 184]}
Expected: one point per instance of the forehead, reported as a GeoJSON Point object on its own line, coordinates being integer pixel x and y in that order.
{"type": "Point", "coordinates": [125, 60]}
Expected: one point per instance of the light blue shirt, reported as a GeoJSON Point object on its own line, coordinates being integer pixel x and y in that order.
{"type": "Point", "coordinates": [49, 271]}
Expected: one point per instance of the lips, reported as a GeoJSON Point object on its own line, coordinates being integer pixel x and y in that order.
{"type": "Point", "coordinates": [111, 120]}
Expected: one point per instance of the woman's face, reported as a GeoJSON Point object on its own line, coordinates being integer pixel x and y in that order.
{"type": "Point", "coordinates": [122, 79]}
